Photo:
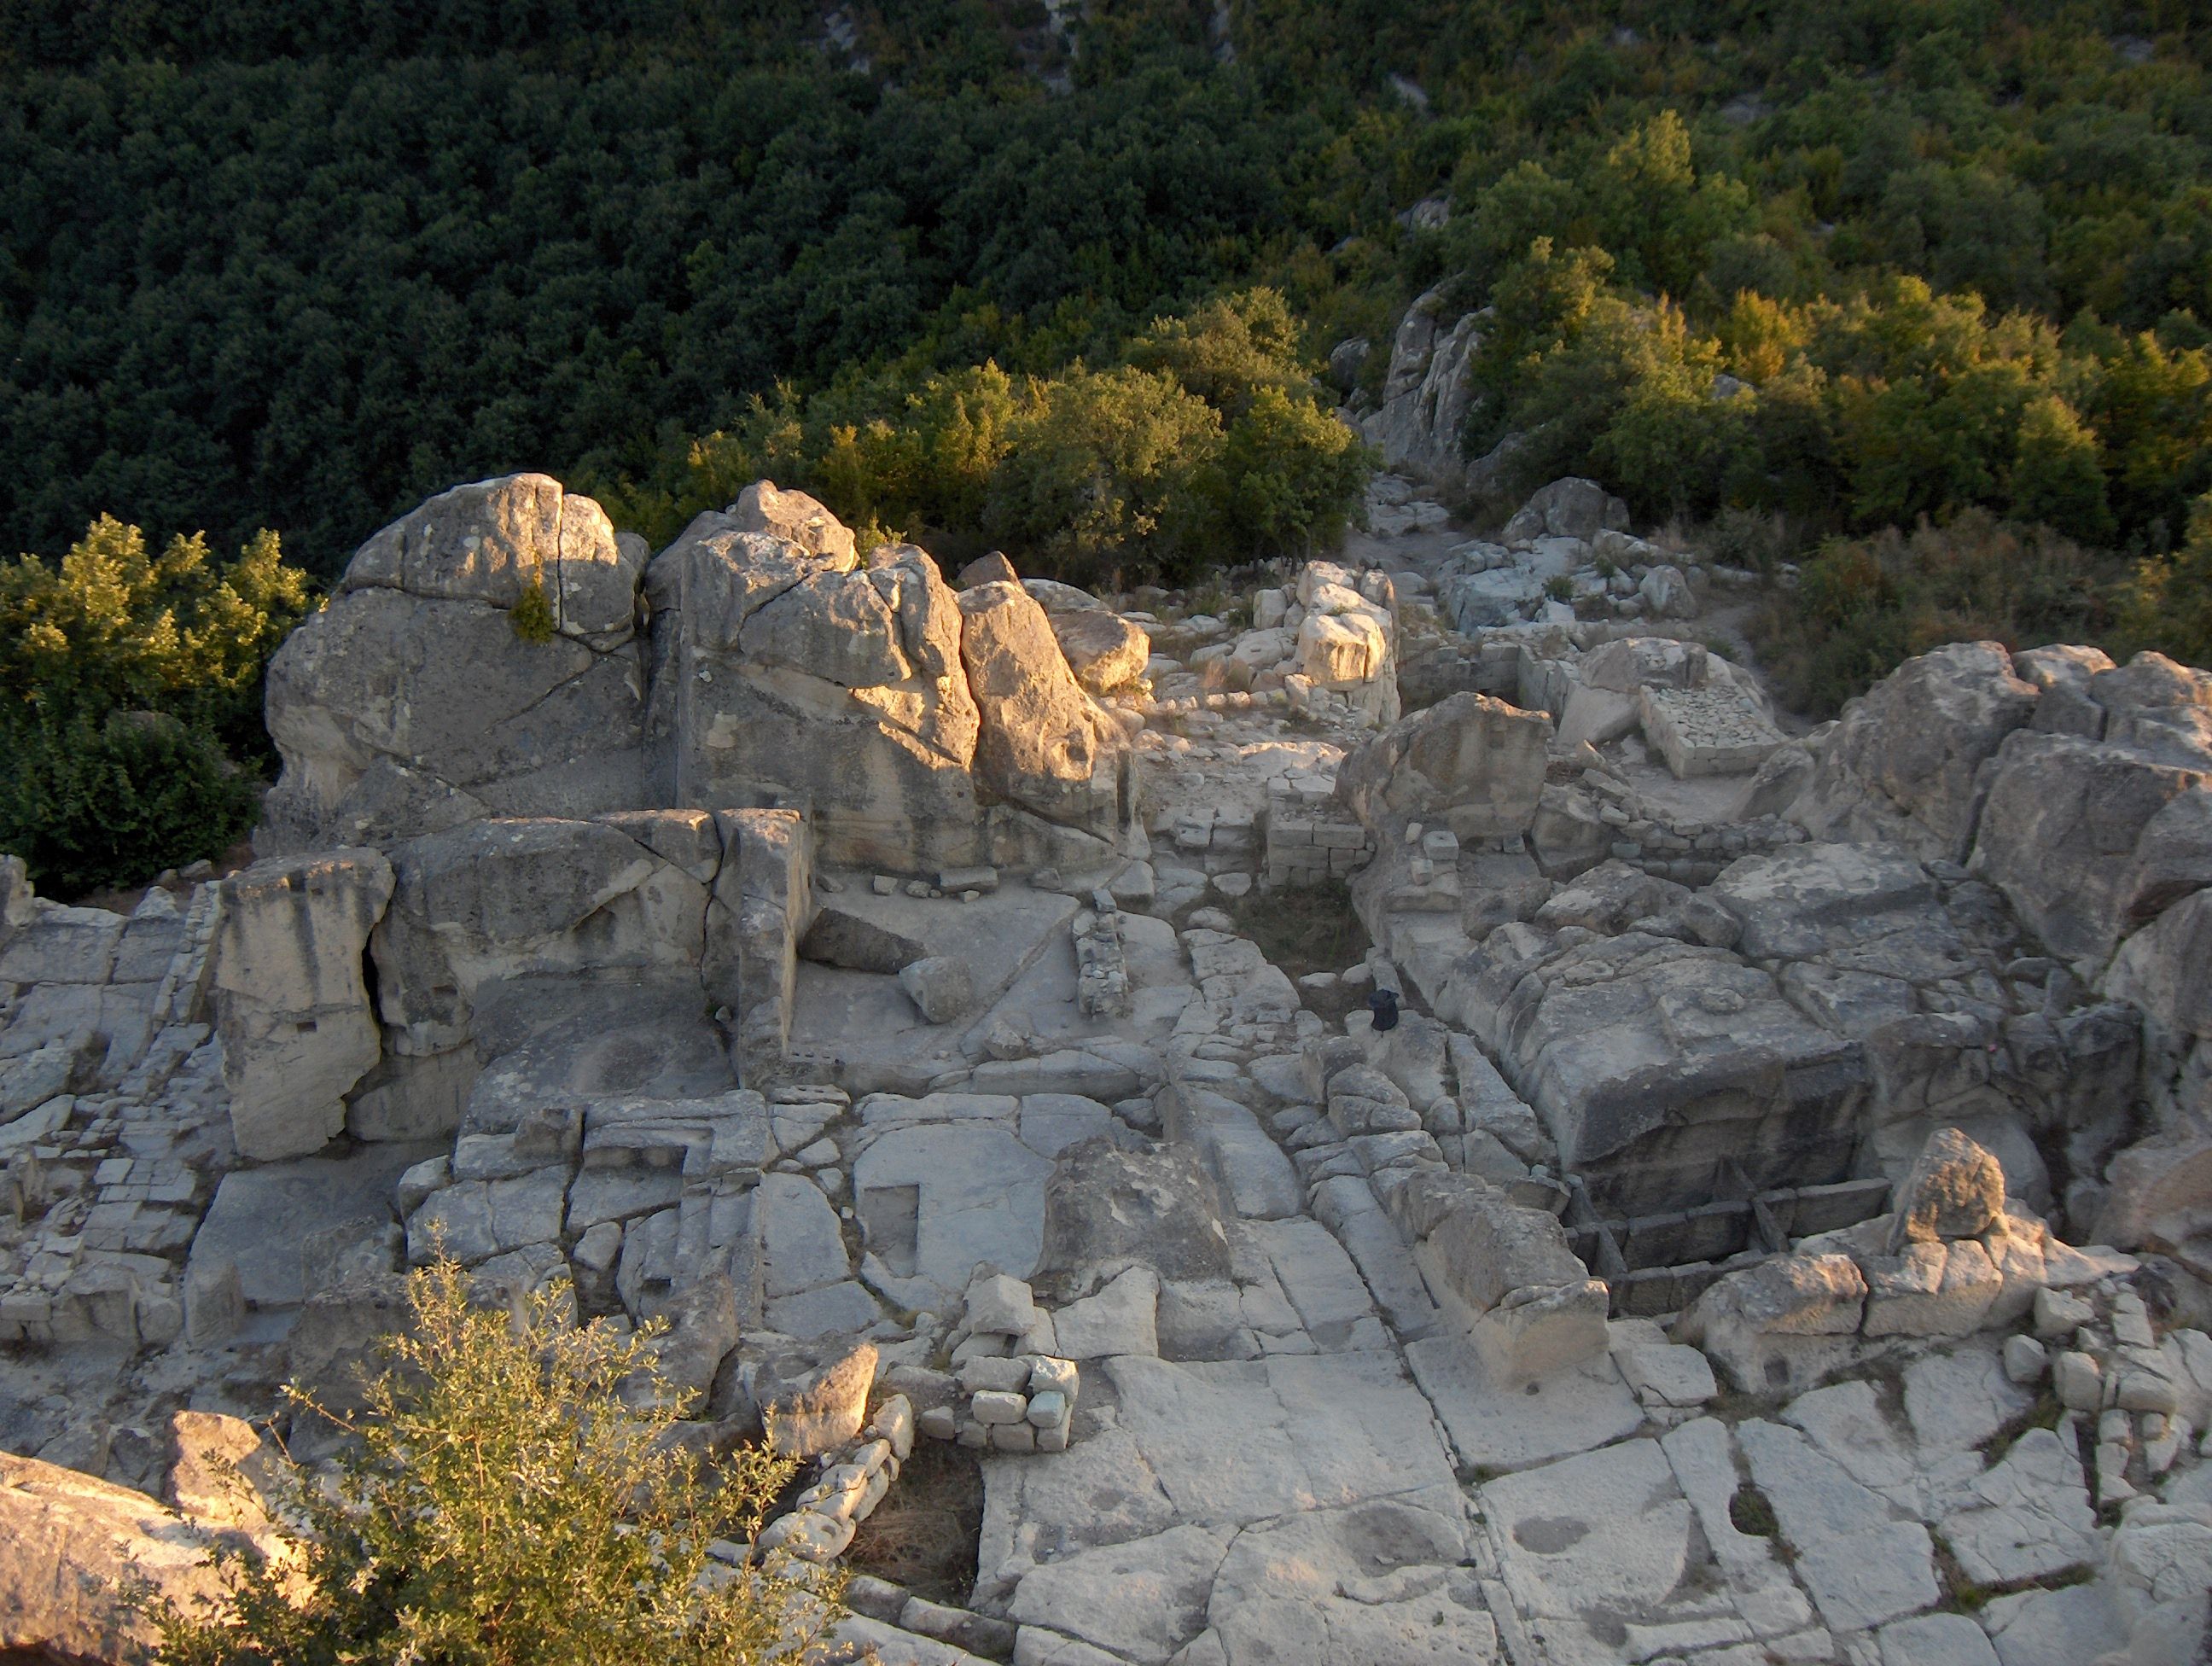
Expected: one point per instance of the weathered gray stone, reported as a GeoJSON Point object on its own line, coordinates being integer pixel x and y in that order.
{"type": "Point", "coordinates": [1346, 1587]}
{"type": "Point", "coordinates": [702, 1328]}
{"type": "Point", "coordinates": [1471, 763]}
{"type": "Point", "coordinates": [941, 1199]}
{"type": "Point", "coordinates": [2165, 968]}
{"type": "Point", "coordinates": [1569, 508]}
{"type": "Point", "coordinates": [1903, 761]}
{"type": "Point", "coordinates": [290, 1001]}
{"type": "Point", "coordinates": [762, 903]}
{"type": "Point", "coordinates": [838, 938]}
{"type": "Point", "coordinates": [268, 1224]}
{"type": "Point", "coordinates": [1103, 650]}
{"type": "Point", "coordinates": [794, 518]}
{"type": "Point", "coordinates": [1955, 1189]}
{"type": "Point", "coordinates": [1649, 1060]}
{"type": "Point", "coordinates": [1119, 1319]}
{"type": "Point", "coordinates": [2032, 1517]}
{"type": "Point", "coordinates": [940, 986]}
{"type": "Point", "coordinates": [2159, 707]}
{"type": "Point", "coordinates": [1426, 392]}
{"type": "Point", "coordinates": [1043, 744]}
{"type": "Point", "coordinates": [801, 1243]}
{"type": "Point", "coordinates": [1936, 1639]}
{"type": "Point", "coordinates": [1105, 1206]}
{"type": "Point", "coordinates": [73, 1545]}
{"type": "Point", "coordinates": [498, 902]}
{"type": "Point", "coordinates": [1863, 1565]}
{"type": "Point", "coordinates": [1666, 594]}
{"type": "Point", "coordinates": [409, 703]}
{"type": "Point", "coordinates": [781, 677]}
{"type": "Point", "coordinates": [2060, 833]}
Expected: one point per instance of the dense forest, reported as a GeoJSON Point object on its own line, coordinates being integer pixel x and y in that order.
{"type": "Point", "coordinates": [1060, 279]}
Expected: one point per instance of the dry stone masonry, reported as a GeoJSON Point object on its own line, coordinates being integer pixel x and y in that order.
{"type": "Point", "coordinates": [1773, 1229]}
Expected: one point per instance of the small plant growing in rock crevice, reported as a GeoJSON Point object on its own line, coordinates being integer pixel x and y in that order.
{"type": "Point", "coordinates": [1752, 1514]}
{"type": "Point", "coordinates": [512, 1497]}
{"type": "Point", "coordinates": [2044, 1413]}
{"type": "Point", "coordinates": [531, 616]}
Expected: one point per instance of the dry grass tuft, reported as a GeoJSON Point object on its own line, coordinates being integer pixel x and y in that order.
{"type": "Point", "coordinates": [924, 1535]}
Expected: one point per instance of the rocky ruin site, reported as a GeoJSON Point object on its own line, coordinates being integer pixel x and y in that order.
{"type": "Point", "coordinates": [1775, 1227]}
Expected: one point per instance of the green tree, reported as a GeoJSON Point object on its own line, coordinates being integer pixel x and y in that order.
{"type": "Point", "coordinates": [2057, 474]}
{"type": "Point", "coordinates": [2167, 601]}
{"type": "Point", "coordinates": [1102, 464]}
{"type": "Point", "coordinates": [131, 691]}
{"type": "Point", "coordinates": [1227, 352]}
{"type": "Point", "coordinates": [511, 1498]}
{"type": "Point", "coordinates": [89, 801]}
{"type": "Point", "coordinates": [1287, 476]}
{"type": "Point", "coordinates": [115, 626]}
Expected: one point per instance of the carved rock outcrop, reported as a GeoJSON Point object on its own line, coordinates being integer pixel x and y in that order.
{"type": "Point", "coordinates": [411, 702]}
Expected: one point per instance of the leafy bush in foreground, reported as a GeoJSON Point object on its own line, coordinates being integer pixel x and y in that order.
{"type": "Point", "coordinates": [504, 1505]}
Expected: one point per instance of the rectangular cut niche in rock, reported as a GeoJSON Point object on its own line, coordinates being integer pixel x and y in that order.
{"type": "Point", "coordinates": [891, 1214]}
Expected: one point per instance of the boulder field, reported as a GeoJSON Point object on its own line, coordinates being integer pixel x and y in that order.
{"type": "Point", "coordinates": [1396, 1110]}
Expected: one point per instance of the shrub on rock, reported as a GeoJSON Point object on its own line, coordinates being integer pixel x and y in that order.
{"type": "Point", "coordinates": [502, 1502]}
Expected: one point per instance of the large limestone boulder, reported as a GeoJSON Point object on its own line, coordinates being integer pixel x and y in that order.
{"type": "Point", "coordinates": [1655, 1064]}
{"type": "Point", "coordinates": [1571, 508]}
{"type": "Point", "coordinates": [2062, 827]}
{"type": "Point", "coordinates": [516, 902]}
{"type": "Point", "coordinates": [69, 1545]}
{"type": "Point", "coordinates": [289, 999]}
{"type": "Point", "coordinates": [1426, 392]}
{"type": "Point", "coordinates": [1503, 1272]}
{"type": "Point", "coordinates": [1472, 763]}
{"type": "Point", "coordinates": [1782, 1321]}
{"type": "Point", "coordinates": [411, 703]}
{"type": "Point", "coordinates": [782, 676]}
{"type": "Point", "coordinates": [1043, 744]}
{"type": "Point", "coordinates": [1106, 1207]}
{"type": "Point", "coordinates": [2060, 675]}
{"type": "Point", "coordinates": [491, 541]}
{"type": "Point", "coordinates": [793, 517]}
{"type": "Point", "coordinates": [1346, 643]}
{"type": "Point", "coordinates": [1955, 1189]}
{"type": "Point", "coordinates": [2173, 858]}
{"type": "Point", "coordinates": [1104, 650]}
{"type": "Point", "coordinates": [1902, 763]}
{"type": "Point", "coordinates": [2159, 1195]}
{"type": "Point", "coordinates": [2165, 968]}
{"type": "Point", "coordinates": [2157, 706]}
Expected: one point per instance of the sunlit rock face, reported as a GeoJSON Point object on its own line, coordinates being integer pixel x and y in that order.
{"type": "Point", "coordinates": [774, 669]}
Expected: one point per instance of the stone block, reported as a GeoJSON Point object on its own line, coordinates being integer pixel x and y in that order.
{"type": "Point", "coordinates": [1470, 763]}
{"type": "Point", "coordinates": [291, 1004]}
{"type": "Point", "coordinates": [1706, 732]}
